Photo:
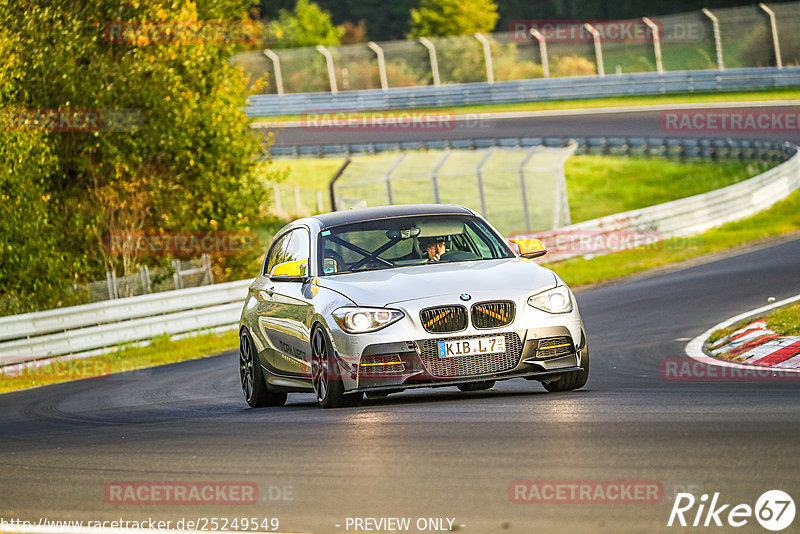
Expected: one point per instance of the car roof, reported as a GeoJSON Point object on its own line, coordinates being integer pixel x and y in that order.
{"type": "Point", "coordinates": [335, 218]}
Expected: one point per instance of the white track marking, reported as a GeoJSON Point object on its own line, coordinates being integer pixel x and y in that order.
{"type": "Point", "coordinates": [694, 349]}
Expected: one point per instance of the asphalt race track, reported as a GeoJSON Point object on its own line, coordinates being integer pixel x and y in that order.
{"type": "Point", "coordinates": [635, 123]}
{"type": "Point", "coordinates": [435, 453]}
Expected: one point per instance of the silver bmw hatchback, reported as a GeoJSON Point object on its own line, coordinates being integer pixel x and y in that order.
{"type": "Point", "coordinates": [379, 300]}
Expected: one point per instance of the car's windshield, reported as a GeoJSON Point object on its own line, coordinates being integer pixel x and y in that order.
{"type": "Point", "coordinates": [404, 241]}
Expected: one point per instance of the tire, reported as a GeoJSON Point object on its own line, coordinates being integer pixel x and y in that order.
{"type": "Point", "coordinates": [254, 387]}
{"type": "Point", "coordinates": [325, 376]}
{"type": "Point", "coordinates": [571, 380]}
{"type": "Point", "coordinates": [476, 386]}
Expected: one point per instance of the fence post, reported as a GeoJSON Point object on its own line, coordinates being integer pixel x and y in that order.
{"type": "Point", "coordinates": [656, 43]}
{"type": "Point", "coordinates": [176, 277]}
{"type": "Point", "coordinates": [388, 176]}
{"type": "Point", "coordinates": [717, 39]}
{"type": "Point", "coordinates": [561, 215]}
{"type": "Point", "coordinates": [207, 264]}
{"type": "Point", "coordinates": [424, 41]}
{"type": "Point", "coordinates": [111, 282]}
{"type": "Point", "coordinates": [437, 199]}
{"type": "Point", "coordinates": [487, 57]}
{"type": "Point", "coordinates": [523, 189]}
{"type": "Point", "coordinates": [276, 66]}
{"type": "Point", "coordinates": [276, 192]}
{"type": "Point", "coordinates": [144, 273]}
{"type": "Point", "coordinates": [320, 207]}
{"type": "Point", "coordinates": [774, 27]}
{"type": "Point", "coordinates": [297, 204]}
{"type": "Point", "coordinates": [333, 179]}
{"type": "Point", "coordinates": [598, 49]}
{"type": "Point", "coordinates": [484, 160]}
{"type": "Point", "coordinates": [329, 63]}
{"type": "Point", "coordinates": [542, 51]}
{"type": "Point", "coordinates": [381, 64]}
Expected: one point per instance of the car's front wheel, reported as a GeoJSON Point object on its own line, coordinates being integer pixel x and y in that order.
{"type": "Point", "coordinates": [252, 378]}
{"type": "Point", "coordinates": [325, 376]}
{"type": "Point", "coordinates": [571, 380]}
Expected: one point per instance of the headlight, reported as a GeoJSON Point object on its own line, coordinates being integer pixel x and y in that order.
{"type": "Point", "coordinates": [554, 300]}
{"type": "Point", "coordinates": [361, 320]}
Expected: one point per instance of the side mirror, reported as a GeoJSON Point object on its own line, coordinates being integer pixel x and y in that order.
{"type": "Point", "coordinates": [530, 248]}
{"type": "Point", "coordinates": [290, 271]}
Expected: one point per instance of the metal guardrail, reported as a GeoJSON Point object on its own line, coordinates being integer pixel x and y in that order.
{"type": "Point", "coordinates": [532, 90]}
{"type": "Point", "coordinates": [683, 217]}
{"type": "Point", "coordinates": [647, 146]}
{"type": "Point", "coordinates": [99, 325]}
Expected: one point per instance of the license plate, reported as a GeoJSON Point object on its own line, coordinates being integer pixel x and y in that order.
{"type": "Point", "coordinates": [464, 347]}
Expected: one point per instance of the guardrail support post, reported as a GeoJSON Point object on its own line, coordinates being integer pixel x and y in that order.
{"type": "Point", "coordinates": [276, 66]}
{"type": "Point", "coordinates": [598, 49]}
{"type": "Point", "coordinates": [656, 43]}
{"type": "Point", "coordinates": [435, 176]}
{"type": "Point", "coordinates": [484, 161]}
{"type": "Point", "coordinates": [487, 57]}
{"type": "Point", "coordinates": [424, 41]}
{"type": "Point", "coordinates": [381, 63]}
{"type": "Point", "coordinates": [331, 72]}
{"type": "Point", "coordinates": [717, 39]}
{"type": "Point", "coordinates": [774, 27]}
{"type": "Point", "coordinates": [542, 51]}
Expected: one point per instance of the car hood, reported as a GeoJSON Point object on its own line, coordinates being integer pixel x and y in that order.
{"type": "Point", "coordinates": [390, 286]}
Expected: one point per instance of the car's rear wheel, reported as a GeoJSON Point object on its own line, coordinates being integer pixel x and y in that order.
{"type": "Point", "coordinates": [571, 380]}
{"type": "Point", "coordinates": [476, 386]}
{"type": "Point", "coordinates": [252, 378]}
{"type": "Point", "coordinates": [325, 376]}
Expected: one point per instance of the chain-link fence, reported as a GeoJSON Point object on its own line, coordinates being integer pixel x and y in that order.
{"type": "Point", "coordinates": [183, 274]}
{"type": "Point", "coordinates": [292, 201]}
{"type": "Point", "coordinates": [685, 41]}
{"type": "Point", "coordinates": [521, 190]}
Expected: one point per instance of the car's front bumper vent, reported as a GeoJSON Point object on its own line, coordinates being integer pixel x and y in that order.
{"type": "Point", "coordinates": [553, 347]}
{"type": "Point", "coordinates": [492, 314]}
{"type": "Point", "coordinates": [381, 365]}
{"type": "Point", "coordinates": [443, 319]}
{"type": "Point", "coordinates": [470, 365]}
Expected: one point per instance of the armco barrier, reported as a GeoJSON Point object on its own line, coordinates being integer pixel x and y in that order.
{"type": "Point", "coordinates": [687, 216]}
{"type": "Point", "coordinates": [105, 324]}
{"type": "Point", "coordinates": [533, 90]}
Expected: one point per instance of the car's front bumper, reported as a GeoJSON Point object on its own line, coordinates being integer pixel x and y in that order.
{"type": "Point", "coordinates": [412, 364]}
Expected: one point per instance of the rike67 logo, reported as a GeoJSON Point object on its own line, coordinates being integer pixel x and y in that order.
{"type": "Point", "coordinates": [774, 510]}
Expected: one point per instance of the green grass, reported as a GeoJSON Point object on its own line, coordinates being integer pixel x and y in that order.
{"type": "Point", "coordinates": [161, 350]}
{"type": "Point", "coordinates": [713, 97]}
{"type": "Point", "coordinates": [785, 320]}
{"type": "Point", "coordinates": [782, 218]}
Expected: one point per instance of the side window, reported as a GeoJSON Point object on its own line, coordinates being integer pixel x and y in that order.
{"type": "Point", "coordinates": [276, 253]}
{"type": "Point", "coordinates": [299, 247]}
{"type": "Point", "coordinates": [291, 247]}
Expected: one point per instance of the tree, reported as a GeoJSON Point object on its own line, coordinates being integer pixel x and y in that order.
{"type": "Point", "coordinates": [443, 18]}
{"type": "Point", "coordinates": [173, 152]}
{"type": "Point", "coordinates": [307, 25]}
